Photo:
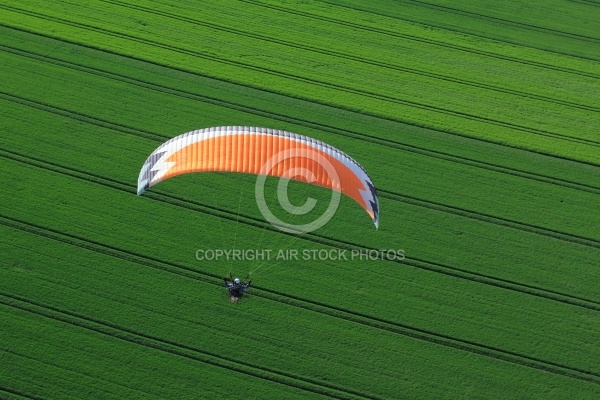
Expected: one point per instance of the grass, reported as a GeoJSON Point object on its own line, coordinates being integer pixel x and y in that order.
{"type": "Point", "coordinates": [417, 95]}
{"type": "Point", "coordinates": [102, 295]}
{"type": "Point", "coordinates": [536, 26]}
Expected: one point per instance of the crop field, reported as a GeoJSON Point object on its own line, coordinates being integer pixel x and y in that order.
{"type": "Point", "coordinates": [478, 122]}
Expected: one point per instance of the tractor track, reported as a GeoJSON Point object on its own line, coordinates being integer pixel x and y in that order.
{"type": "Point", "coordinates": [392, 195]}
{"type": "Point", "coordinates": [478, 35]}
{"type": "Point", "coordinates": [178, 349]}
{"type": "Point", "coordinates": [19, 393]}
{"type": "Point", "coordinates": [280, 117]}
{"type": "Point", "coordinates": [79, 372]}
{"type": "Point", "coordinates": [414, 71]}
{"type": "Point", "coordinates": [424, 40]}
{"type": "Point", "coordinates": [296, 301]}
{"type": "Point", "coordinates": [506, 21]}
{"type": "Point", "coordinates": [492, 219]}
{"type": "Point", "coordinates": [586, 2]}
{"type": "Point", "coordinates": [291, 96]}
{"type": "Point", "coordinates": [313, 237]}
{"type": "Point", "coordinates": [312, 81]}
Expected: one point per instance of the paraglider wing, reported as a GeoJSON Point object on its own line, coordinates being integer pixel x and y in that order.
{"type": "Point", "coordinates": [249, 150]}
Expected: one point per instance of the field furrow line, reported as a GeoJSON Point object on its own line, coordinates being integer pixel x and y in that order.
{"type": "Point", "coordinates": [18, 393]}
{"type": "Point", "coordinates": [389, 194]}
{"type": "Point", "coordinates": [313, 237]}
{"type": "Point", "coordinates": [437, 338]}
{"type": "Point", "coordinates": [492, 219]}
{"type": "Point", "coordinates": [284, 118]}
{"type": "Point", "coordinates": [492, 18]}
{"type": "Point", "coordinates": [81, 117]}
{"type": "Point", "coordinates": [325, 84]}
{"type": "Point", "coordinates": [586, 2]}
{"type": "Point", "coordinates": [464, 32]}
{"type": "Point", "coordinates": [178, 349]}
{"type": "Point", "coordinates": [314, 306]}
{"type": "Point", "coordinates": [81, 373]}
{"type": "Point", "coordinates": [424, 40]}
{"type": "Point", "coordinates": [333, 53]}
{"type": "Point", "coordinates": [299, 97]}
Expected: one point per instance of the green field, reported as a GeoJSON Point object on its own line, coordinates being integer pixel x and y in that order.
{"type": "Point", "coordinates": [479, 123]}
